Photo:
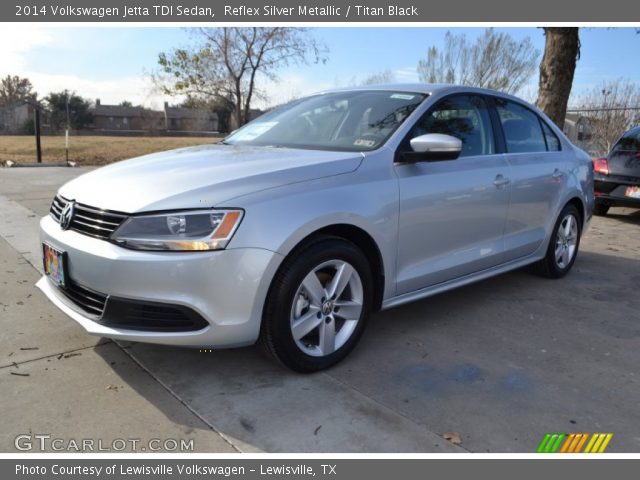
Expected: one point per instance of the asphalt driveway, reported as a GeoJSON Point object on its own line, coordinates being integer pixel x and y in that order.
{"type": "Point", "coordinates": [501, 362]}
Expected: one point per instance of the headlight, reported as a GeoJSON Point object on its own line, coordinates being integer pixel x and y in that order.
{"type": "Point", "coordinates": [195, 230]}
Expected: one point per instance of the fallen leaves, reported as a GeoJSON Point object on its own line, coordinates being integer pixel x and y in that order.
{"type": "Point", "coordinates": [453, 437]}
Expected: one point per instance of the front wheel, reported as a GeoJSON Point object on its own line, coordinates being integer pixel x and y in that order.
{"type": "Point", "coordinates": [563, 246]}
{"type": "Point", "coordinates": [317, 305]}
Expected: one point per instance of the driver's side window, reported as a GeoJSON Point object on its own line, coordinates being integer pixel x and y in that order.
{"type": "Point", "coordinates": [465, 117]}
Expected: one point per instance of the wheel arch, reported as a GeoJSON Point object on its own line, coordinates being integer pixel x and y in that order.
{"type": "Point", "coordinates": [579, 204]}
{"type": "Point", "coordinates": [361, 239]}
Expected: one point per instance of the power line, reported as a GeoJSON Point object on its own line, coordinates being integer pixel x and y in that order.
{"type": "Point", "coordinates": [608, 109]}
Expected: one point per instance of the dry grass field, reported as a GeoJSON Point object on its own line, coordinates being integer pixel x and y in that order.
{"type": "Point", "coordinates": [90, 150]}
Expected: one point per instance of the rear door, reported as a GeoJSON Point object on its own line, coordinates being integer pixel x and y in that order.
{"type": "Point", "coordinates": [538, 176]}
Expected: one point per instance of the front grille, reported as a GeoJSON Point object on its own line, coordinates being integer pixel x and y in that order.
{"type": "Point", "coordinates": [87, 220]}
{"type": "Point", "coordinates": [90, 301]}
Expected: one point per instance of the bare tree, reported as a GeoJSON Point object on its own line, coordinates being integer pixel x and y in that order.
{"type": "Point", "coordinates": [495, 60]}
{"type": "Point", "coordinates": [384, 76]}
{"type": "Point", "coordinates": [561, 52]}
{"type": "Point", "coordinates": [15, 89]}
{"type": "Point", "coordinates": [226, 63]}
{"type": "Point", "coordinates": [610, 110]}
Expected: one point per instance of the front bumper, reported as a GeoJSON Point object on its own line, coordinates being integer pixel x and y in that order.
{"type": "Point", "coordinates": [227, 288]}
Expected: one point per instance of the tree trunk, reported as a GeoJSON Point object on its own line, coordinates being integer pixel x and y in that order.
{"type": "Point", "coordinates": [561, 51]}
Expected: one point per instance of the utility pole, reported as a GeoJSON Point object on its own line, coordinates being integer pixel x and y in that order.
{"type": "Point", "coordinates": [37, 132]}
{"type": "Point", "coordinates": [66, 133]}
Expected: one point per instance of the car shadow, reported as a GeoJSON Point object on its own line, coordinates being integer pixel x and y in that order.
{"type": "Point", "coordinates": [518, 345]}
{"type": "Point", "coordinates": [626, 215]}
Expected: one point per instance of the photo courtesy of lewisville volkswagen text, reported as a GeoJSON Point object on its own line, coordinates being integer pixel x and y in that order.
{"type": "Point", "coordinates": [166, 469]}
{"type": "Point", "coordinates": [319, 239]}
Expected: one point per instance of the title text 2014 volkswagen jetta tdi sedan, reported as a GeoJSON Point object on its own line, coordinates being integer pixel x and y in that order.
{"type": "Point", "coordinates": [300, 224]}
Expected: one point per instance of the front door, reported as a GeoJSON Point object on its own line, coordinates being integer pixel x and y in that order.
{"type": "Point", "coordinates": [452, 212]}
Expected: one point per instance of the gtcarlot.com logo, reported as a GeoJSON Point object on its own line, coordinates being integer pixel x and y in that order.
{"type": "Point", "coordinates": [574, 442]}
{"type": "Point", "coordinates": [47, 442]}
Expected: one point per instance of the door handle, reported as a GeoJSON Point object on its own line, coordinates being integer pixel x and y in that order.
{"type": "Point", "coordinates": [501, 181]}
{"type": "Point", "coordinates": [557, 173]}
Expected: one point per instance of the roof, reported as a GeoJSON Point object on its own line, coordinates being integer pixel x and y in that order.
{"type": "Point", "coordinates": [399, 87]}
{"type": "Point", "coordinates": [426, 88]}
{"type": "Point", "coordinates": [117, 111]}
{"type": "Point", "coordinates": [14, 106]}
{"type": "Point", "coordinates": [572, 118]}
{"type": "Point", "coordinates": [170, 112]}
{"type": "Point", "coordinates": [179, 112]}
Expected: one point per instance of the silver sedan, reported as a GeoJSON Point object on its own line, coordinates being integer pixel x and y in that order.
{"type": "Point", "coordinates": [299, 225]}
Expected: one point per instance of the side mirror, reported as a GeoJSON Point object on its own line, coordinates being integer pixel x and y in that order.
{"type": "Point", "coordinates": [433, 147]}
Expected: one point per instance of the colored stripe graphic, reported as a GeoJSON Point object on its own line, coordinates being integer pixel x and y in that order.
{"type": "Point", "coordinates": [573, 442]}
{"type": "Point", "coordinates": [567, 444]}
{"type": "Point", "coordinates": [590, 444]}
{"type": "Point", "coordinates": [550, 443]}
{"type": "Point", "coordinates": [543, 443]}
{"type": "Point", "coordinates": [598, 443]}
{"type": "Point", "coordinates": [581, 442]}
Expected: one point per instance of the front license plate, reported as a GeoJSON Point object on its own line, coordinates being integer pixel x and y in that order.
{"type": "Point", "coordinates": [632, 192]}
{"type": "Point", "coordinates": [54, 266]}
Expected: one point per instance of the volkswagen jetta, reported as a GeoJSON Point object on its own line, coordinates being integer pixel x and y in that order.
{"type": "Point", "coordinates": [299, 225]}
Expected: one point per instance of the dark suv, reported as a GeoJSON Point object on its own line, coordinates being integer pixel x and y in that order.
{"type": "Point", "coordinates": [617, 176]}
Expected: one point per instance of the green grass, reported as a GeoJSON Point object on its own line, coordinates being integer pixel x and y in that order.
{"type": "Point", "coordinates": [91, 150]}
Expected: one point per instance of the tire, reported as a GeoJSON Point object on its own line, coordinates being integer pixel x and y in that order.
{"type": "Point", "coordinates": [300, 315]}
{"type": "Point", "coordinates": [563, 248]}
{"type": "Point", "coordinates": [600, 209]}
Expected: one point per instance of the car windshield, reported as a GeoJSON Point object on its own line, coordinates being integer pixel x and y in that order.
{"type": "Point", "coordinates": [344, 121]}
{"type": "Point", "coordinates": [630, 142]}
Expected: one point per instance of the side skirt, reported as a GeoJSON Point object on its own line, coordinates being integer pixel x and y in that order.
{"type": "Point", "coordinates": [459, 282]}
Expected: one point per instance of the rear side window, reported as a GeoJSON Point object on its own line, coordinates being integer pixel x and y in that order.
{"type": "Point", "coordinates": [553, 143]}
{"type": "Point", "coordinates": [522, 128]}
{"type": "Point", "coordinates": [630, 142]}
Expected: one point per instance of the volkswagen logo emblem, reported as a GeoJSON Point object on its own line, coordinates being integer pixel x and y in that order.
{"type": "Point", "coordinates": [66, 216]}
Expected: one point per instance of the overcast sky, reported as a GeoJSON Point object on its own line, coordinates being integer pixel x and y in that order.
{"type": "Point", "coordinates": [112, 63]}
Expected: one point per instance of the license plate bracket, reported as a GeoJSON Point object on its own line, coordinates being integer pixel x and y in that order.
{"type": "Point", "coordinates": [55, 262]}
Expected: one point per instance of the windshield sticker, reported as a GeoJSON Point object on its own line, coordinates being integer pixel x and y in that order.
{"type": "Point", "coordinates": [251, 131]}
{"type": "Point", "coordinates": [403, 96]}
{"type": "Point", "coordinates": [363, 142]}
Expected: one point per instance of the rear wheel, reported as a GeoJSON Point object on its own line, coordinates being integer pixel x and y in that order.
{"type": "Point", "coordinates": [600, 209]}
{"type": "Point", "coordinates": [317, 305]}
{"type": "Point", "coordinates": [564, 244]}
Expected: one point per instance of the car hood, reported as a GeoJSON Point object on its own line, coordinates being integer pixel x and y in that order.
{"type": "Point", "coordinates": [204, 176]}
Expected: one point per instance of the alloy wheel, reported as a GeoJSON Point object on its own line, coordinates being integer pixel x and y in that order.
{"type": "Point", "coordinates": [566, 241]}
{"type": "Point", "coordinates": [326, 308]}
